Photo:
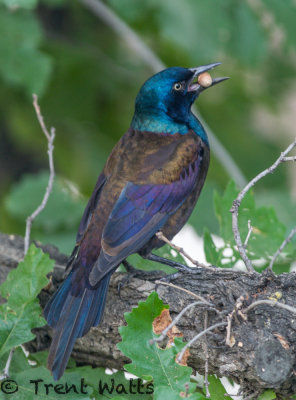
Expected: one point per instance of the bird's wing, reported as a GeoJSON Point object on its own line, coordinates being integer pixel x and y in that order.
{"type": "Point", "coordinates": [140, 211]}
{"type": "Point", "coordinates": [91, 206]}
{"type": "Point", "coordinates": [86, 217]}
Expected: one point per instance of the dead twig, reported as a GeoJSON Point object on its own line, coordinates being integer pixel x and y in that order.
{"type": "Point", "coordinates": [228, 328]}
{"type": "Point", "coordinates": [7, 365]}
{"type": "Point", "coordinates": [183, 290]}
{"type": "Point", "coordinates": [180, 250]}
{"type": "Point", "coordinates": [272, 303]}
{"type": "Point", "coordinates": [179, 316]}
{"type": "Point", "coordinates": [50, 138]}
{"type": "Point", "coordinates": [238, 306]}
{"type": "Point", "coordinates": [281, 248]}
{"type": "Point", "coordinates": [248, 234]}
{"type": "Point", "coordinates": [285, 159]}
{"type": "Point", "coordinates": [237, 202]}
{"type": "Point", "coordinates": [198, 336]}
{"type": "Point", "coordinates": [206, 380]}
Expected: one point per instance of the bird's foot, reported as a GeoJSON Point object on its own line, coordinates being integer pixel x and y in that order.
{"type": "Point", "coordinates": [131, 273]}
{"type": "Point", "coordinates": [167, 279]}
{"type": "Point", "coordinates": [171, 263]}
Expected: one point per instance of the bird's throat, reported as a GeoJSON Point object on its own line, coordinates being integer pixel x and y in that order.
{"type": "Point", "coordinates": [161, 123]}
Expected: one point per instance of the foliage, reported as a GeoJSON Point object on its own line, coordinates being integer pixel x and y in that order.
{"type": "Point", "coordinates": [22, 312]}
{"type": "Point", "coordinates": [267, 234]}
{"type": "Point", "coordinates": [21, 30]}
{"type": "Point", "coordinates": [61, 214]}
{"type": "Point", "coordinates": [149, 360]}
{"type": "Point", "coordinates": [164, 377]}
{"type": "Point", "coordinates": [153, 363]}
{"type": "Point", "coordinates": [267, 395]}
{"type": "Point", "coordinates": [90, 96]}
{"type": "Point", "coordinates": [87, 78]}
{"type": "Point", "coordinates": [147, 265]}
{"type": "Point", "coordinates": [26, 382]}
{"type": "Point", "coordinates": [217, 390]}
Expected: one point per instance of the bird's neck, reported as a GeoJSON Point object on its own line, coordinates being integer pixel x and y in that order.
{"type": "Point", "coordinates": [161, 122]}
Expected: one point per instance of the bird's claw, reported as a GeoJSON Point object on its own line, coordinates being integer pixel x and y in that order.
{"type": "Point", "coordinates": [131, 272]}
{"type": "Point", "coordinates": [167, 279]}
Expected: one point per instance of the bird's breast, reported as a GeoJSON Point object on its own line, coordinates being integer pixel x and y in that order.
{"type": "Point", "coordinates": [153, 158]}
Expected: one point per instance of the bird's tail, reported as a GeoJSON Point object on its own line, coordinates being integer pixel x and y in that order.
{"type": "Point", "coordinates": [72, 316]}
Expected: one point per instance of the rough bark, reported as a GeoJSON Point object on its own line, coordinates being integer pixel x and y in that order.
{"type": "Point", "coordinates": [263, 340]}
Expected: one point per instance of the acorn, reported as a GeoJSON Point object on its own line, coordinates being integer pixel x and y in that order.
{"type": "Point", "coordinates": [205, 79]}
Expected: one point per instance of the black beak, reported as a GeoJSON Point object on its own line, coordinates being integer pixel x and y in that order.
{"type": "Point", "coordinates": [194, 86]}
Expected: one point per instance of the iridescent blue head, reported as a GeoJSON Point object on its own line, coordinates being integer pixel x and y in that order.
{"type": "Point", "coordinates": [164, 102]}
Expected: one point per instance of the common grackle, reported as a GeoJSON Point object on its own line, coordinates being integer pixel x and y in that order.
{"type": "Point", "coordinates": [151, 182]}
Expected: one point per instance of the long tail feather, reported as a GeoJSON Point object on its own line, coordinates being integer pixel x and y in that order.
{"type": "Point", "coordinates": [72, 317]}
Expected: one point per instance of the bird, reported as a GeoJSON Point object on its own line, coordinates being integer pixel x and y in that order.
{"type": "Point", "coordinates": [150, 182]}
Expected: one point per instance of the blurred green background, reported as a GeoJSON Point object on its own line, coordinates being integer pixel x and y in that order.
{"type": "Point", "coordinates": [83, 62]}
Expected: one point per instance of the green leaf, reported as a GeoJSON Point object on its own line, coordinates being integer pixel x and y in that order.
{"type": "Point", "coordinates": [165, 393]}
{"type": "Point", "coordinates": [22, 311]}
{"type": "Point", "coordinates": [19, 362]}
{"type": "Point", "coordinates": [119, 398]}
{"type": "Point", "coordinates": [217, 390]}
{"type": "Point", "coordinates": [222, 206]}
{"type": "Point", "coordinates": [249, 40]}
{"type": "Point", "coordinates": [150, 359]}
{"type": "Point", "coordinates": [284, 14]}
{"type": "Point", "coordinates": [22, 64]}
{"type": "Point", "coordinates": [108, 386]}
{"type": "Point", "coordinates": [24, 283]}
{"type": "Point", "coordinates": [267, 234]}
{"type": "Point", "coordinates": [192, 19]}
{"type": "Point", "coordinates": [40, 358]}
{"type": "Point", "coordinates": [267, 395]}
{"type": "Point", "coordinates": [54, 3]}
{"type": "Point", "coordinates": [213, 255]}
{"type": "Point", "coordinates": [238, 30]}
{"type": "Point", "coordinates": [165, 251]}
{"type": "Point", "coordinates": [15, 327]}
{"type": "Point", "coordinates": [71, 386]}
{"type": "Point", "coordinates": [12, 4]}
{"type": "Point", "coordinates": [203, 215]}
{"type": "Point", "coordinates": [64, 207]}
{"type": "Point", "coordinates": [281, 201]}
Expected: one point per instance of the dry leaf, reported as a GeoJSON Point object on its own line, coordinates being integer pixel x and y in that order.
{"type": "Point", "coordinates": [162, 322]}
{"type": "Point", "coordinates": [231, 341]}
{"type": "Point", "coordinates": [282, 341]}
{"type": "Point", "coordinates": [184, 358]}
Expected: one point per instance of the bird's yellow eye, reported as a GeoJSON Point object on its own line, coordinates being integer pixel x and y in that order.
{"type": "Point", "coordinates": [178, 86]}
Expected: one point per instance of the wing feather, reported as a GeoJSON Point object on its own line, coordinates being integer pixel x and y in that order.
{"type": "Point", "coordinates": [140, 211]}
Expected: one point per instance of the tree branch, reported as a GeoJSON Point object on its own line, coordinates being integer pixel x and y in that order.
{"type": "Point", "coordinates": [180, 250]}
{"type": "Point", "coordinates": [182, 289]}
{"type": "Point", "coordinates": [7, 365]}
{"type": "Point", "coordinates": [206, 378]}
{"type": "Point", "coordinates": [250, 228]}
{"type": "Point", "coordinates": [286, 159]}
{"type": "Point", "coordinates": [50, 138]}
{"type": "Point", "coordinates": [281, 248]}
{"type": "Point", "coordinates": [237, 202]}
{"type": "Point", "coordinates": [252, 337]}
{"type": "Point", "coordinates": [198, 336]}
{"type": "Point", "coordinates": [178, 317]}
{"type": "Point", "coordinates": [273, 303]}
